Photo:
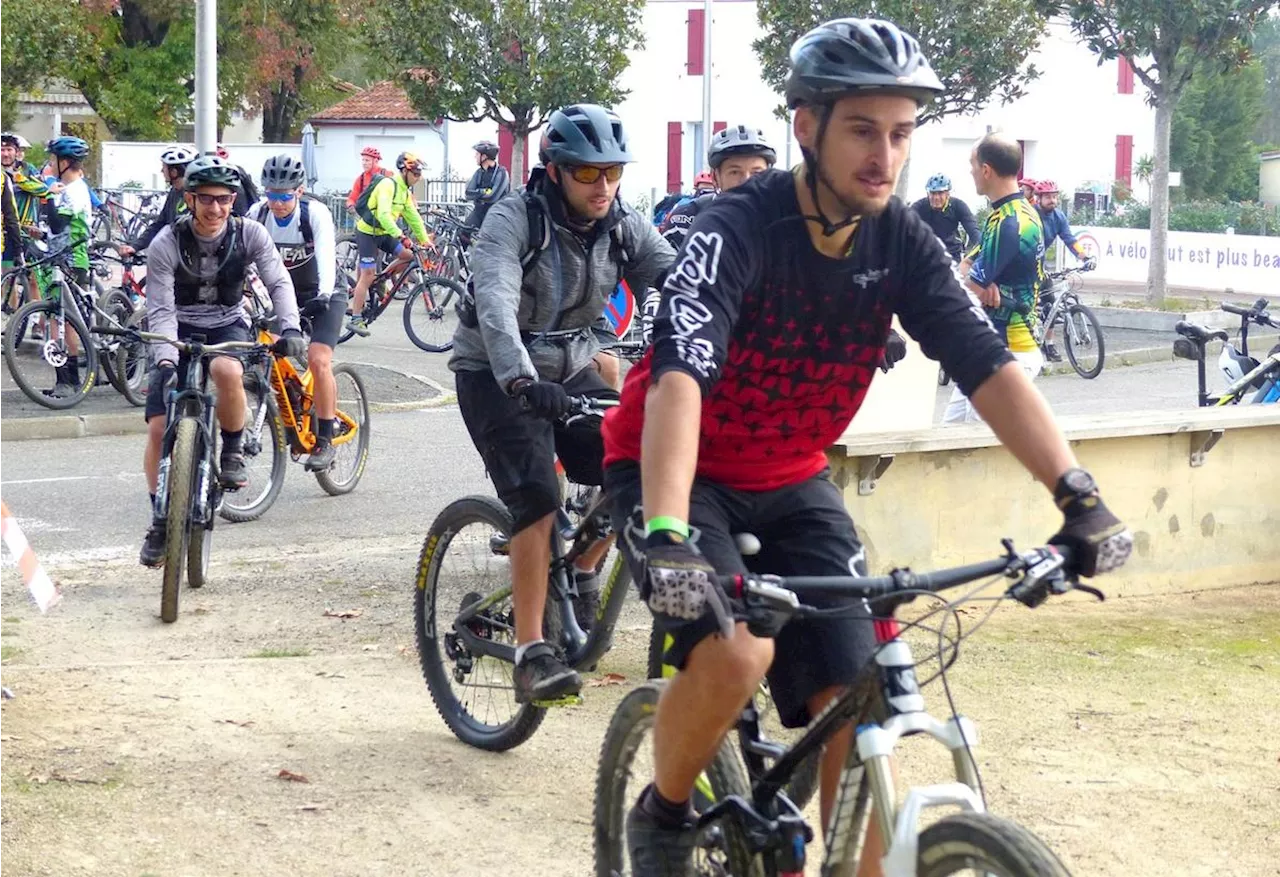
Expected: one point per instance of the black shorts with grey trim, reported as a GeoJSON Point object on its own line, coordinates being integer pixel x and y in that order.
{"type": "Point", "coordinates": [520, 450]}
{"type": "Point", "coordinates": [326, 317]}
{"type": "Point", "coordinates": [804, 530]}
{"type": "Point", "coordinates": [156, 402]}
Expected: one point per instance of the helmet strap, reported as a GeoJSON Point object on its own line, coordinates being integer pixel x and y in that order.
{"type": "Point", "coordinates": [813, 175]}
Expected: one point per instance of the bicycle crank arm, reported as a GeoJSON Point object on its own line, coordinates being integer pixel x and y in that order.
{"type": "Point", "coordinates": [478, 645]}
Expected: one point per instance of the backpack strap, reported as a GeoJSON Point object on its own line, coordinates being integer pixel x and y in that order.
{"type": "Point", "coordinates": [539, 231]}
{"type": "Point", "coordinates": [304, 222]}
{"type": "Point", "coordinates": [261, 218]}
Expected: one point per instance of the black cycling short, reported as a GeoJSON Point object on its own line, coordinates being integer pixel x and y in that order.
{"type": "Point", "coordinates": [156, 402]}
{"type": "Point", "coordinates": [804, 530]}
{"type": "Point", "coordinates": [368, 245]}
{"type": "Point", "coordinates": [520, 450]}
{"type": "Point", "coordinates": [327, 317]}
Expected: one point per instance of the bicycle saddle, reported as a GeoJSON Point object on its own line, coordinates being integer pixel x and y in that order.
{"type": "Point", "coordinates": [1199, 333]}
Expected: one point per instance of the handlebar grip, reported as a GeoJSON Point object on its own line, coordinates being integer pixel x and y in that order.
{"type": "Point", "coordinates": [1237, 310]}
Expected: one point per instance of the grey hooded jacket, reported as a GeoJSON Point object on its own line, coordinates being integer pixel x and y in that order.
{"type": "Point", "coordinates": [513, 309]}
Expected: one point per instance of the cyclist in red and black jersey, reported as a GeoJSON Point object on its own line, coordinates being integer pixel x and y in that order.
{"type": "Point", "coordinates": [771, 325]}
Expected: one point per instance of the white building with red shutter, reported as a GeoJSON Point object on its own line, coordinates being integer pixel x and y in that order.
{"type": "Point", "coordinates": [1081, 124]}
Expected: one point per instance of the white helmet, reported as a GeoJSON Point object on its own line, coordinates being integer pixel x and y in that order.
{"type": "Point", "coordinates": [177, 155]}
{"type": "Point", "coordinates": [1234, 364]}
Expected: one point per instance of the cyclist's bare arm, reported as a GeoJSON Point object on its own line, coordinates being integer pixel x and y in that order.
{"type": "Point", "coordinates": [669, 445]}
{"type": "Point", "coordinates": [1021, 419]}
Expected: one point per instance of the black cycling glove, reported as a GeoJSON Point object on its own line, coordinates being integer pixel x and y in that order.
{"type": "Point", "coordinates": [680, 584]}
{"type": "Point", "coordinates": [1098, 540]}
{"type": "Point", "coordinates": [290, 343]}
{"type": "Point", "coordinates": [544, 399]}
{"type": "Point", "coordinates": [895, 348]}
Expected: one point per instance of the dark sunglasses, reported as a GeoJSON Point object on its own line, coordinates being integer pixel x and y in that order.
{"type": "Point", "coordinates": [209, 200]}
{"type": "Point", "coordinates": [588, 174]}
{"type": "Point", "coordinates": [281, 197]}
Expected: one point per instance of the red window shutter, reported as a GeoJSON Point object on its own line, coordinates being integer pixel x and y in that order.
{"type": "Point", "coordinates": [1124, 81]}
{"type": "Point", "coordinates": [1124, 158]}
{"type": "Point", "coordinates": [504, 147]}
{"type": "Point", "coordinates": [717, 127]}
{"type": "Point", "coordinates": [675, 149]}
{"type": "Point", "coordinates": [697, 23]}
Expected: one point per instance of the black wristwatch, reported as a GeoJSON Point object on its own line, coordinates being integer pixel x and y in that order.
{"type": "Point", "coordinates": [1074, 484]}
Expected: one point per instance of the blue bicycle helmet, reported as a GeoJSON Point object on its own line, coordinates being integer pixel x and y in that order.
{"type": "Point", "coordinates": [68, 147]}
{"type": "Point", "coordinates": [584, 134]}
{"type": "Point", "coordinates": [938, 183]}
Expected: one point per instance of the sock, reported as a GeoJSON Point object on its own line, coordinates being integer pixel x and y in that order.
{"type": "Point", "coordinates": [231, 441]}
{"type": "Point", "coordinates": [668, 813]}
{"type": "Point", "coordinates": [73, 371]}
{"type": "Point", "coordinates": [524, 647]}
{"type": "Point", "coordinates": [324, 431]}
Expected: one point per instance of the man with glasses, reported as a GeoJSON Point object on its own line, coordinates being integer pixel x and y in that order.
{"type": "Point", "coordinates": [542, 272]}
{"type": "Point", "coordinates": [302, 229]}
{"type": "Point", "coordinates": [376, 229]}
{"type": "Point", "coordinates": [173, 165]}
{"type": "Point", "coordinates": [196, 274]}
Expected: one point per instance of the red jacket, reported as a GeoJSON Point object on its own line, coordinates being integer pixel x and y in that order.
{"type": "Point", "coordinates": [362, 182]}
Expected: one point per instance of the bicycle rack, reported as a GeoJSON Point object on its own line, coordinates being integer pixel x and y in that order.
{"type": "Point", "coordinates": [870, 469]}
{"type": "Point", "coordinates": [1202, 441]}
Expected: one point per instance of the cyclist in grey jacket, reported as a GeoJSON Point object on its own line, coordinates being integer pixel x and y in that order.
{"type": "Point", "coordinates": [527, 338]}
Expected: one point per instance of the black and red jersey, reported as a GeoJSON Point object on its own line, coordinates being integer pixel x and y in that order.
{"type": "Point", "coordinates": [784, 341]}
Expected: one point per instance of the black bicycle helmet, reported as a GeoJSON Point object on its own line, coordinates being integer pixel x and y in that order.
{"type": "Point", "coordinates": [851, 55]}
{"type": "Point", "coordinates": [584, 134]}
{"type": "Point", "coordinates": [68, 147]}
{"type": "Point", "coordinates": [209, 170]}
{"type": "Point", "coordinates": [739, 140]}
{"type": "Point", "coordinates": [487, 148]}
{"type": "Point", "coordinates": [283, 172]}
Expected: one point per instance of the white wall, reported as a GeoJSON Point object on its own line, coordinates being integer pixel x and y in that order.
{"type": "Point", "coordinates": [1269, 181]}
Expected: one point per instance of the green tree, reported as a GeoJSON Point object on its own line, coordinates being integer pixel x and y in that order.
{"type": "Point", "coordinates": [37, 38]}
{"type": "Point", "coordinates": [1212, 136]}
{"type": "Point", "coordinates": [509, 61]}
{"type": "Point", "coordinates": [1266, 46]}
{"type": "Point", "coordinates": [976, 62]}
{"type": "Point", "coordinates": [1166, 43]}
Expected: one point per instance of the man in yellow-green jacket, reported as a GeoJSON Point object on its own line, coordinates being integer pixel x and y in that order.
{"type": "Point", "coordinates": [385, 201]}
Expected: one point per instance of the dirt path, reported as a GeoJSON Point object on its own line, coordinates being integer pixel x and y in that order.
{"type": "Point", "coordinates": [1137, 737]}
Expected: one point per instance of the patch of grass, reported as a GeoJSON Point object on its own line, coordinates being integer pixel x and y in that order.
{"type": "Point", "coordinates": [8, 653]}
{"type": "Point", "coordinates": [1172, 305]}
{"type": "Point", "coordinates": [12, 619]}
{"type": "Point", "coordinates": [292, 652]}
{"type": "Point", "coordinates": [370, 592]}
{"type": "Point", "coordinates": [8, 633]}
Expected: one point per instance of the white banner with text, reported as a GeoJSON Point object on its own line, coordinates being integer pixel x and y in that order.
{"type": "Point", "coordinates": [1241, 263]}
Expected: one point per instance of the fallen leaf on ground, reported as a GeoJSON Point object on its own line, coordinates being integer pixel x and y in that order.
{"type": "Point", "coordinates": [291, 776]}
{"type": "Point", "coordinates": [323, 675]}
{"type": "Point", "coordinates": [606, 679]}
{"type": "Point", "coordinates": [244, 724]}
{"type": "Point", "coordinates": [343, 613]}
{"type": "Point", "coordinates": [314, 807]}
{"type": "Point", "coordinates": [65, 778]}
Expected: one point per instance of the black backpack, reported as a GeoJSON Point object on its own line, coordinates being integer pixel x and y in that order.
{"type": "Point", "coordinates": [362, 203]}
{"type": "Point", "coordinates": [250, 188]}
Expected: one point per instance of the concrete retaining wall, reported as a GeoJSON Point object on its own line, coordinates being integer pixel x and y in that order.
{"type": "Point", "coordinates": [949, 496]}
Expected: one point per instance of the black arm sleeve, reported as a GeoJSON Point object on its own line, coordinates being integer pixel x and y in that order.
{"type": "Point", "coordinates": [473, 186]}
{"type": "Point", "coordinates": [12, 230]}
{"type": "Point", "coordinates": [167, 213]}
{"type": "Point", "coordinates": [950, 326]}
{"type": "Point", "coordinates": [702, 295]}
{"type": "Point", "coordinates": [968, 223]}
{"type": "Point", "coordinates": [501, 186]}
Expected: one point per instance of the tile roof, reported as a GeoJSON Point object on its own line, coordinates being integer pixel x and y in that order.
{"type": "Point", "coordinates": [382, 101]}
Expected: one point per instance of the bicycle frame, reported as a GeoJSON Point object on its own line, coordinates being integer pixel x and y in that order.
{"type": "Point", "coordinates": [297, 420]}
{"type": "Point", "coordinates": [191, 398]}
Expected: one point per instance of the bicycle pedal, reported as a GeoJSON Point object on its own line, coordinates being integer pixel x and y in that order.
{"type": "Point", "coordinates": [568, 700]}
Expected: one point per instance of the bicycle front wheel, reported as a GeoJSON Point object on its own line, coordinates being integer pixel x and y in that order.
{"type": "Point", "coordinates": [182, 476]}
{"type": "Point", "coordinates": [626, 765]}
{"type": "Point", "coordinates": [430, 313]}
{"type": "Point", "coordinates": [266, 455]}
{"type": "Point", "coordinates": [463, 562]}
{"type": "Point", "coordinates": [979, 843]}
{"type": "Point", "coordinates": [350, 434]}
{"type": "Point", "coordinates": [37, 350]}
{"type": "Point", "coordinates": [1082, 337]}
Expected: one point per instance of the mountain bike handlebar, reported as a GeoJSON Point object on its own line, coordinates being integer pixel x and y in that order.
{"type": "Point", "coordinates": [1038, 573]}
{"type": "Point", "coordinates": [191, 348]}
{"type": "Point", "coordinates": [1256, 314]}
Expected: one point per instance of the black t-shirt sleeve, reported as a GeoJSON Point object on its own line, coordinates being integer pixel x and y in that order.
{"type": "Point", "coordinates": [967, 222]}
{"type": "Point", "coordinates": [703, 294]}
{"type": "Point", "coordinates": [950, 327]}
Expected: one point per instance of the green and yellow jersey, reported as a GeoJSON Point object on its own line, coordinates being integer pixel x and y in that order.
{"type": "Point", "coordinates": [1012, 257]}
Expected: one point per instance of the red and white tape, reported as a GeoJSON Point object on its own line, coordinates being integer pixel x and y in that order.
{"type": "Point", "coordinates": [43, 590]}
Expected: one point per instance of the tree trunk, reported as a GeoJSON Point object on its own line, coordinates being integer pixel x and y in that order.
{"type": "Point", "coordinates": [901, 190]}
{"type": "Point", "coordinates": [519, 137]}
{"type": "Point", "coordinates": [1157, 259]}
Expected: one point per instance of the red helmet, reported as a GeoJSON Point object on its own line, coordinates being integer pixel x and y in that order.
{"type": "Point", "coordinates": [1027, 183]}
{"type": "Point", "coordinates": [371, 152]}
{"type": "Point", "coordinates": [1046, 187]}
{"type": "Point", "coordinates": [706, 178]}
{"type": "Point", "coordinates": [222, 152]}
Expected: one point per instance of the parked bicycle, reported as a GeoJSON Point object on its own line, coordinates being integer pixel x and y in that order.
{"type": "Point", "coordinates": [748, 825]}
{"type": "Point", "coordinates": [54, 346]}
{"type": "Point", "coordinates": [280, 420]}
{"type": "Point", "coordinates": [188, 491]}
{"type": "Point", "coordinates": [1258, 381]}
{"type": "Point", "coordinates": [464, 616]}
{"type": "Point", "coordinates": [1081, 333]}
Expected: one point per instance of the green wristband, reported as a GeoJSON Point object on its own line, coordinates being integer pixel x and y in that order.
{"type": "Point", "coordinates": [666, 522]}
